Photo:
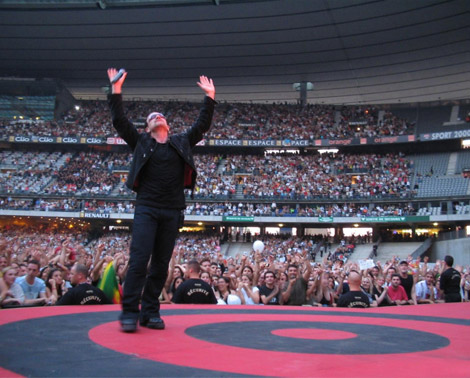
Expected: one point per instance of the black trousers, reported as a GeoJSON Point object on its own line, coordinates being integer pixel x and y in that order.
{"type": "Point", "coordinates": [452, 297]}
{"type": "Point", "coordinates": [153, 236]}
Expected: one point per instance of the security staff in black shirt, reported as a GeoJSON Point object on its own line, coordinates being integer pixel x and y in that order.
{"type": "Point", "coordinates": [450, 281]}
{"type": "Point", "coordinates": [194, 290]}
{"type": "Point", "coordinates": [82, 293]}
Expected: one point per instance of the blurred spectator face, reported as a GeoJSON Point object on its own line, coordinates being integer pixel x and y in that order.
{"type": "Point", "coordinates": [3, 262]}
{"type": "Point", "coordinates": [331, 282]}
{"type": "Point", "coordinates": [429, 279]}
{"type": "Point", "coordinates": [214, 268]}
{"type": "Point", "coordinates": [23, 271]}
{"type": "Point", "coordinates": [44, 274]}
{"type": "Point", "coordinates": [222, 285]}
{"type": "Point", "coordinates": [375, 272]}
{"type": "Point", "coordinates": [9, 276]}
{"type": "Point", "coordinates": [177, 272]}
{"type": "Point", "coordinates": [396, 281]}
{"type": "Point", "coordinates": [69, 276]}
{"type": "Point", "coordinates": [246, 280]}
{"type": "Point", "coordinates": [283, 278]}
{"type": "Point", "coordinates": [380, 281]}
{"type": "Point", "coordinates": [33, 271]}
{"type": "Point", "coordinates": [205, 266]}
{"type": "Point", "coordinates": [292, 272]}
{"type": "Point", "coordinates": [269, 279]}
{"type": "Point", "coordinates": [247, 271]}
{"type": "Point", "coordinates": [57, 277]}
{"type": "Point", "coordinates": [366, 283]}
{"type": "Point", "coordinates": [403, 268]}
{"type": "Point", "coordinates": [205, 276]}
{"type": "Point", "coordinates": [120, 269]}
{"type": "Point", "coordinates": [178, 282]}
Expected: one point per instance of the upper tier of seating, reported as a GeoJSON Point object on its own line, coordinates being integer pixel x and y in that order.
{"type": "Point", "coordinates": [243, 177]}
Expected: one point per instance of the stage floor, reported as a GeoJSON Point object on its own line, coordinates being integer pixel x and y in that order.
{"type": "Point", "coordinates": [226, 341]}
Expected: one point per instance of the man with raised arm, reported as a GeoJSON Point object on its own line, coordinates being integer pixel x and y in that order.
{"type": "Point", "coordinates": [162, 167]}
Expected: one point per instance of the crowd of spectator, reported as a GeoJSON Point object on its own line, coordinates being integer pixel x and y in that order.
{"type": "Point", "coordinates": [299, 210]}
{"type": "Point", "coordinates": [231, 121]}
{"type": "Point", "coordinates": [332, 176]}
{"type": "Point", "coordinates": [292, 177]}
{"type": "Point", "coordinates": [285, 271]}
{"type": "Point", "coordinates": [245, 209]}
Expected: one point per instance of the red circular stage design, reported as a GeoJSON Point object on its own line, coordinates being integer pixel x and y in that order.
{"type": "Point", "coordinates": [174, 346]}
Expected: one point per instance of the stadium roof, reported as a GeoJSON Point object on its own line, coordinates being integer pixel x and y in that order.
{"type": "Point", "coordinates": [353, 51]}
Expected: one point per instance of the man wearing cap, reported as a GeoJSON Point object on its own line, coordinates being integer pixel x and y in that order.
{"type": "Point", "coordinates": [162, 167]}
{"type": "Point", "coordinates": [407, 281]}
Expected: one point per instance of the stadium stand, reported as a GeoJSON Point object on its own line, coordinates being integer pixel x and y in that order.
{"type": "Point", "coordinates": [350, 184]}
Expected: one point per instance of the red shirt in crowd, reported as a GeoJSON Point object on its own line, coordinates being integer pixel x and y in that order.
{"type": "Point", "coordinates": [398, 294]}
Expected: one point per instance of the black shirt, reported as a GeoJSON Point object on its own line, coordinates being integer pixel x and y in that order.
{"type": "Point", "coordinates": [266, 291]}
{"type": "Point", "coordinates": [354, 299]}
{"type": "Point", "coordinates": [407, 284]}
{"type": "Point", "coordinates": [83, 294]}
{"type": "Point", "coordinates": [450, 284]}
{"type": "Point", "coordinates": [161, 181]}
{"type": "Point", "coordinates": [194, 291]}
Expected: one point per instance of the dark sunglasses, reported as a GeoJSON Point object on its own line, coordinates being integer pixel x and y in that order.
{"type": "Point", "coordinates": [155, 115]}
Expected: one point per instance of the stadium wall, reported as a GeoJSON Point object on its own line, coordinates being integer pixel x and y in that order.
{"type": "Point", "coordinates": [458, 248]}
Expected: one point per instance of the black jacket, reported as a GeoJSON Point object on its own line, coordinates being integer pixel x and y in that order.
{"type": "Point", "coordinates": [142, 144]}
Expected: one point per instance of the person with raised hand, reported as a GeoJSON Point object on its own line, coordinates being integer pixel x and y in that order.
{"type": "Point", "coordinates": [162, 167]}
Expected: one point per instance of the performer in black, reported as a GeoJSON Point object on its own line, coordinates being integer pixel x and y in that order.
{"type": "Point", "coordinates": [162, 167]}
{"type": "Point", "coordinates": [450, 281]}
{"type": "Point", "coordinates": [194, 290]}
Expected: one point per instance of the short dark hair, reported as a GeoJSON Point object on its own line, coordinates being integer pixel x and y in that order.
{"type": "Point", "coordinates": [396, 275]}
{"type": "Point", "coordinates": [449, 260]}
{"type": "Point", "coordinates": [292, 266]}
{"type": "Point", "coordinates": [226, 279]}
{"type": "Point", "coordinates": [81, 269]}
{"type": "Point", "coordinates": [194, 265]}
{"type": "Point", "coordinates": [35, 262]}
{"type": "Point", "coordinates": [269, 272]}
{"type": "Point", "coordinates": [249, 267]}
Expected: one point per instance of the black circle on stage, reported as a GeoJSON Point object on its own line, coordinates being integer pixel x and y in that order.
{"type": "Point", "coordinates": [258, 335]}
{"type": "Point", "coordinates": [45, 336]}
